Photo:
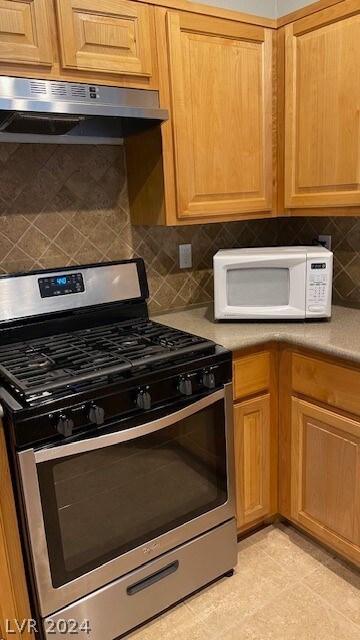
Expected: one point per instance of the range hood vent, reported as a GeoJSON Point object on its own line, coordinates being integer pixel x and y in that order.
{"type": "Point", "coordinates": [72, 113]}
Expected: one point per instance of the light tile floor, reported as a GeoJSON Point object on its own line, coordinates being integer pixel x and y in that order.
{"type": "Point", "coordinates": [285, 587]}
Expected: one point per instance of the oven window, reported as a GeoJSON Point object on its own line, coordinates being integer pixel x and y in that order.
{"type": "Point", "coordinates": [258, 287]}
{"type": "Point", "coordinates": [100, 504]}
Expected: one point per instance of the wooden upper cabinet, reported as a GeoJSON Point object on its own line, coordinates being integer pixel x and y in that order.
{"type": "Point", "coordinates": [322, 108]}
{"type": "Point", "coordinates": [221, 103]}
{"type": "Point", "coordinates": [25, 36]}
{"type": "Point", "coordinates": [105, 36]}
{"type": "Point", "coordinates": [325, 476]}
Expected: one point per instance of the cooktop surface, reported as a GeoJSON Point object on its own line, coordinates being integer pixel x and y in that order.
{"type": "Point", "coordinates": [46, 365]}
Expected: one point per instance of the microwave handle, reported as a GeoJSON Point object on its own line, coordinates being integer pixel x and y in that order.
{"type": "Point", "coordinates": [108, 440]}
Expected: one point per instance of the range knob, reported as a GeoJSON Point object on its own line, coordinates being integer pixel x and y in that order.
{"type": "Point", "coordinates": [208, 380]}
{"type": "Point", "coordinates": [96, 415]}
{"type": "Point", "coordinates": [185, 386]}
{"type": "Point", "coordinates": [65, 425]}
{"type": "Point", "coordinates": [143, 399]}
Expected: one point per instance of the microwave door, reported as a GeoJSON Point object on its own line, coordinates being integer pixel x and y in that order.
{"type": "Point", "coordinates": [262, 289]}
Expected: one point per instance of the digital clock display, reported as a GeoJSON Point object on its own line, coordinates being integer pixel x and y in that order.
{"type": "Point", "coordinates": [61, 285]}
{"type": "Point", "coordinates": [318, 265]}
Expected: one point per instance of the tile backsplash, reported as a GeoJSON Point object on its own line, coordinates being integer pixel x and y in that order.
{"type": "Point", "coordinates": [68, 205]}
{"type": "Point", "coordinates": [345, 235]}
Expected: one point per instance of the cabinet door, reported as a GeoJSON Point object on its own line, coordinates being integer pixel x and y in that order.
{"type": "Point", "coordinates": [325, 475]}
{"type": "Point", "coordinates": [14, 602]}
{"type": "Point", "coordinates": [221, 100]}
{"type": "Point", "coordinates": [322, 109]}
{"type": "Point", "coordinates": [25, 32]}
{"type": "Point", "coordinates": [105, 36]}
{"type": "Point", "coordinates": [252, 460]}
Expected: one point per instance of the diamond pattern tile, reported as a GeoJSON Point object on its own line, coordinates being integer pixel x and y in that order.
{"type": "Point", "coordinates": [67, 205]}
{"type": "Point", "coordinates": [62, 205]}
{"type": "Point", "coordinates": [345, 233]}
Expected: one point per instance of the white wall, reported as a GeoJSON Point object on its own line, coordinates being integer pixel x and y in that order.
{"type": "Point", "coordinates": [264, 8]}
{"type": "Point", "coordinates": [287, 6]}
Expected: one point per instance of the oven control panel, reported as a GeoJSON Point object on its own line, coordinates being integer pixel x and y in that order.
{"type": "Point", "coordinates": [127, 402]}
{"type": "Point", "coordinates": [61, 285]}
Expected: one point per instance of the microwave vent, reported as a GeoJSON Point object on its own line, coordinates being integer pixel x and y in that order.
{"type": "Point", "coordinates": [37, 87]}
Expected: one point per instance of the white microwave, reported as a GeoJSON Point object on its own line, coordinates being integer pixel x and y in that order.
{"type": "Point", "coordinates": [273, 283]}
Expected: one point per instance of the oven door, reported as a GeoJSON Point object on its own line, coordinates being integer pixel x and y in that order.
{"type": "Point", "coordinates": [101, 507]}
{"type": "Point", "coordinates": [261, 288]}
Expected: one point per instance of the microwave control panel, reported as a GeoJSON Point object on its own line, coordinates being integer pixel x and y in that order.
{"type": "Point", "coordinates": [318, 283]}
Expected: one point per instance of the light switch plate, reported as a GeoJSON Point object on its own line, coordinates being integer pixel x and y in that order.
{"type": "Point", "coordinates": [185, 256]}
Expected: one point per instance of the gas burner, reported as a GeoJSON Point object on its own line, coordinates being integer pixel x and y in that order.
{"type": "Point", "coordinates": [54, 364]}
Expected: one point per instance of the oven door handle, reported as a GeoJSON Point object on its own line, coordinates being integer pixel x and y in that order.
{"type": "Point", "coordinates": [100, 442]}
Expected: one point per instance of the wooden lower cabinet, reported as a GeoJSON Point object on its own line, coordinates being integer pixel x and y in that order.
{"type": "Point", "coordinates": [319, 447]}
{"type": "Point", "coordinates": [325, 475]}
{"type": "Point", "coordinates": [252, 374]}
{"type": "Point", "coordinates": [256, 434]}
{"type": "Point", "coordinates": [252, 455]}
{"type": "Point", "coordinates": [297, 443]}
{"type": "Point", "coordinates": [14, 601]}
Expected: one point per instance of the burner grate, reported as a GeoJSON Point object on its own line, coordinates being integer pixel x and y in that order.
{"type": "Point", "coordinates": [68, 360]}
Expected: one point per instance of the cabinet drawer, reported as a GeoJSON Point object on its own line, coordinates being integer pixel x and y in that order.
{"type": "Point", "coordinates": [335, 385]}
{"type": "Point", "coordinates": [251, 374]}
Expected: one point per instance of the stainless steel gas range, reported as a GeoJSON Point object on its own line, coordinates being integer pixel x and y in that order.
{"type": "Point", "coordinates": [121, 437]}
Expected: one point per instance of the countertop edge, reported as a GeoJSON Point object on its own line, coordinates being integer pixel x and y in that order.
{"type": "Point", "coordinates": [299, 342]}
{"type": "Point", "coordinates": [338, 337]}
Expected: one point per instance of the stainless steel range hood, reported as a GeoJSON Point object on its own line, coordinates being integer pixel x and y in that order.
{"type": "Point", "coordinates": [72, 113]}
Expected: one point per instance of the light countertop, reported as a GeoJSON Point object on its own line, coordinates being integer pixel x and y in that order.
{"type": "Point", "coordinates": [339, 336]}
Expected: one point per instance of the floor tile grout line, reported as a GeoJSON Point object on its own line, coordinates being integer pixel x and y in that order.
{"type": "Point", "coordinates": [256, 611]}
{"type": "Point", "coordinates": [289, 573]}
{"type": "Point", "coordinates": [321, 564]}
{"type": "Point", "coordinates": [198, 618]}
{"type": "Point", "coordinates": [299, 581]}
{"type": "Point", "coordinates": [330, 605]}
{"type": "Point", "coordinates": [294, 582]}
